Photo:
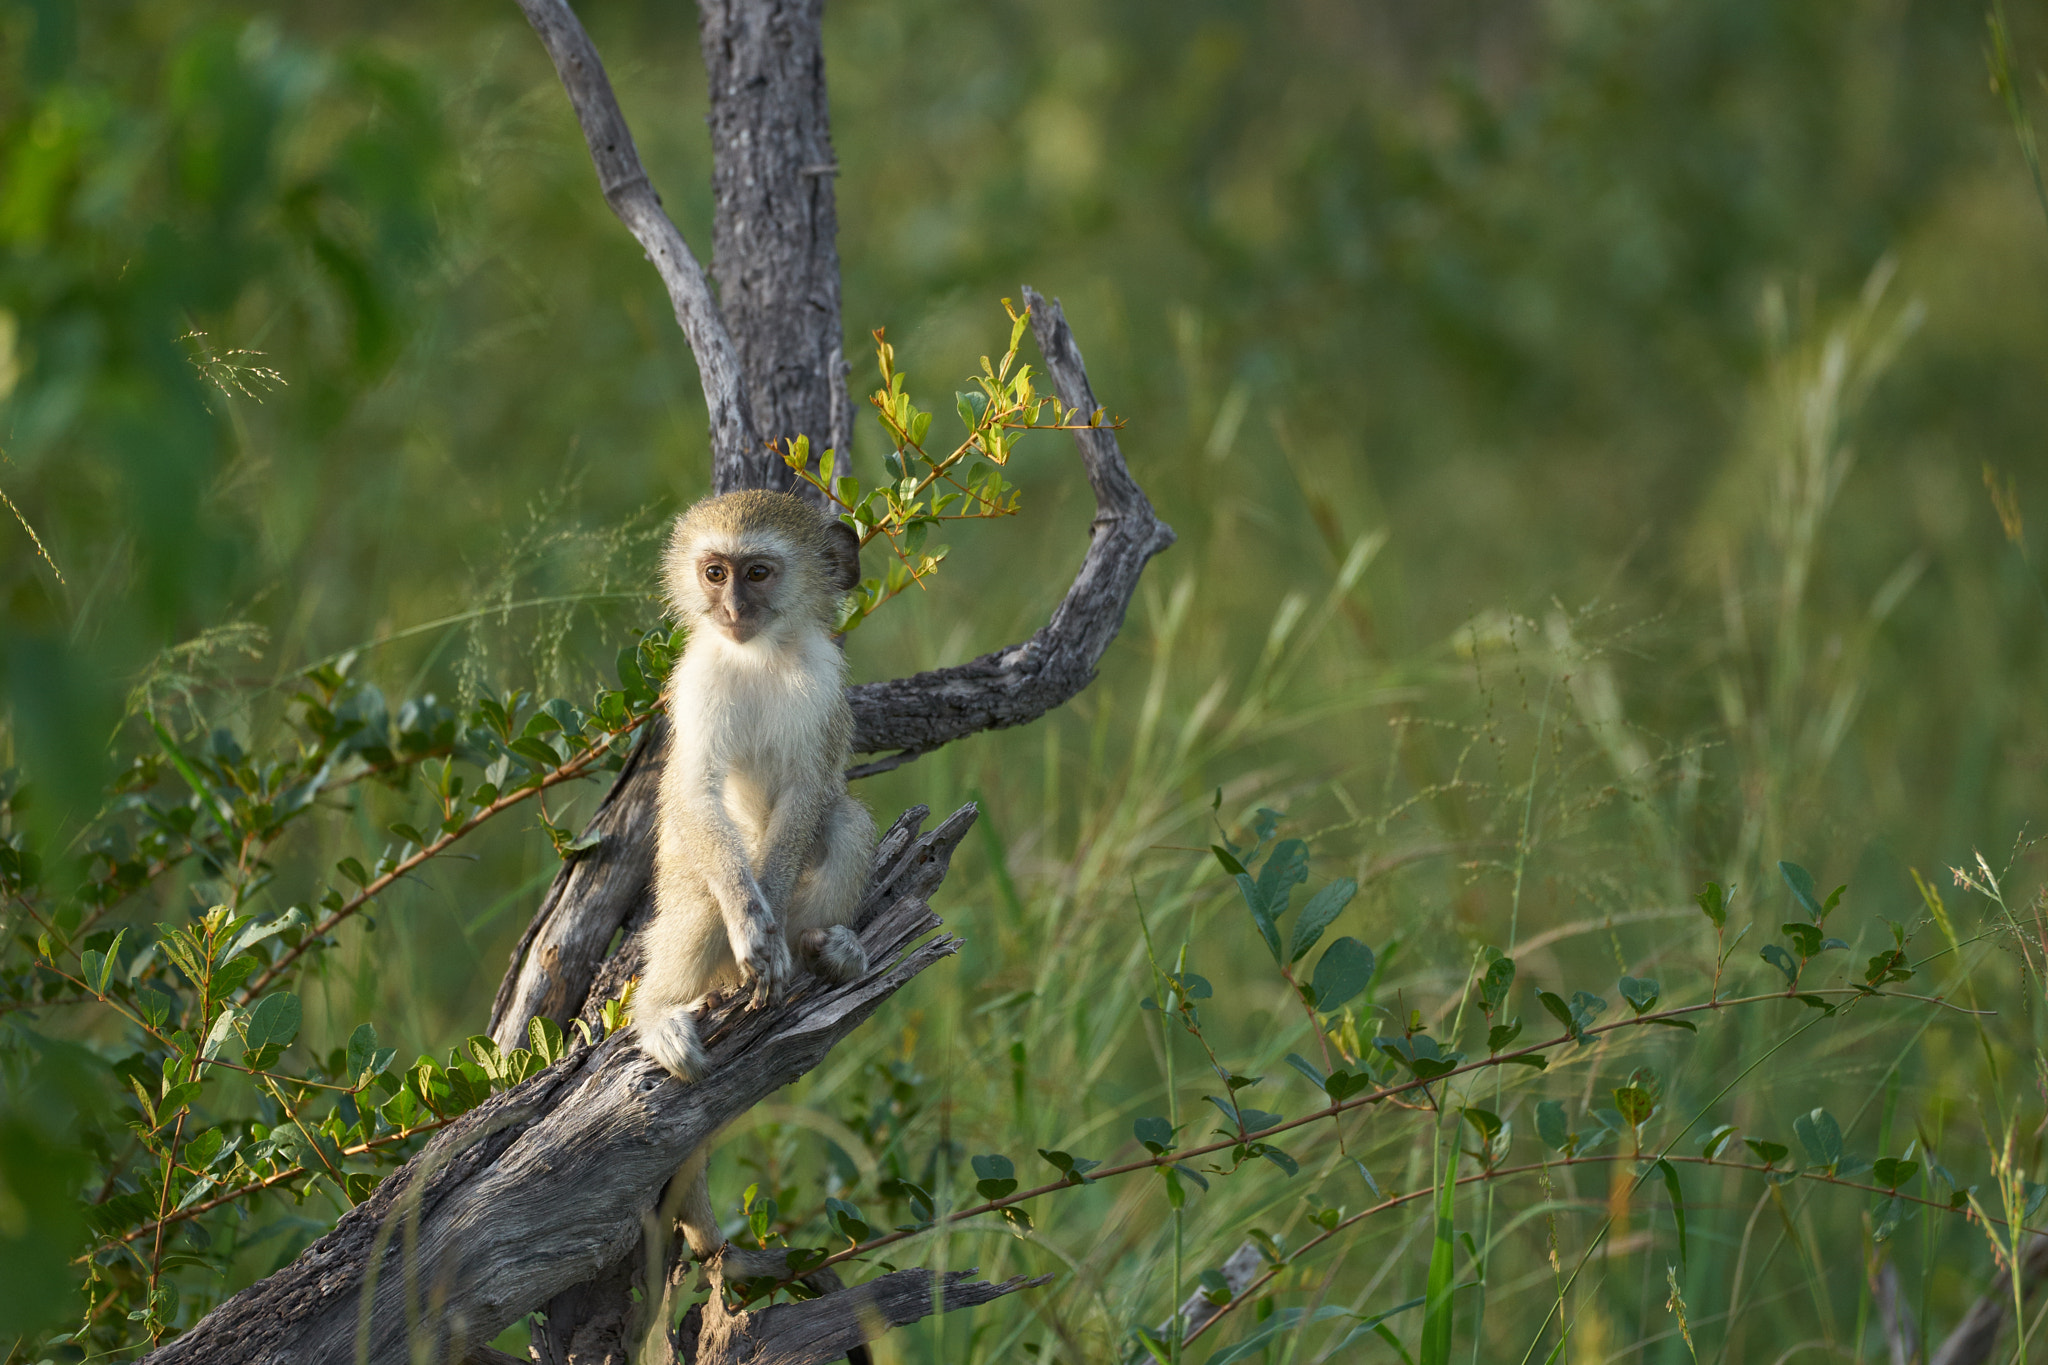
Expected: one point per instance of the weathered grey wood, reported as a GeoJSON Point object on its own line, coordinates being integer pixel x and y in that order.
{"type": "Point", "coordinates": [774, 249]}
{"type": "Point", "coordinates": [828, 1328]}
{"type": "Point", "coordinates": [1975, 1338]}
{"type": "Point", "coordinates": [1894, 1315]}
{"type": "Point", "coordinates": [544, 1187]}
{"type": "Point", "coordinates": [556, 958]}
{"type": "Point", "coordinates": [737, 449]}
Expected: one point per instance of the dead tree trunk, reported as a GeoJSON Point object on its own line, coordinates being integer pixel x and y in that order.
{"type": "Point", "coordinates": [548, 1197]}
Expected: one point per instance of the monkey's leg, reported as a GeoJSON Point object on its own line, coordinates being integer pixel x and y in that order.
{"type": "Point", "coordinates": [686, 957]}
{"type": "Point", "coordinates": [834, 952]}
{"type": "Point", "coordinates": [672, 1039]}
{"type": "Point", "coordinates": [828, 893]}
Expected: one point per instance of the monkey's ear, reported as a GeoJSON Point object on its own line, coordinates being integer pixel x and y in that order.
{"type": "Point", "coordinates": [842, 554]}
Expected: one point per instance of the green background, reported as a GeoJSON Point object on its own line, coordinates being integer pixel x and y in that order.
{"type": "Point", "coordinates": [1665, 346]}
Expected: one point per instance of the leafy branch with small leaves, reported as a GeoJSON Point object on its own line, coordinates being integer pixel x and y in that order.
{"type": "Point", "coordinates": [922, 490]}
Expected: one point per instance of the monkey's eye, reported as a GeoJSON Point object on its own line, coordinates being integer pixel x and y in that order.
{"type": "Point", "coordinates": [714, 573]}
{"type": "Point", "coordinates": [758, 573]}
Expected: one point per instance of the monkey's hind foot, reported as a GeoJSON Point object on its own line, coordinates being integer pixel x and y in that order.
{"type": "Point", "coordinates": [834, 953]}
{"type": "Point", "coordinates": [672, 1040]}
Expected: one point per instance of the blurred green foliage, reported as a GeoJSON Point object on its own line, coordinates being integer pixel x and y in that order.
{"type": "Point", "coordinates": [1664, 346]}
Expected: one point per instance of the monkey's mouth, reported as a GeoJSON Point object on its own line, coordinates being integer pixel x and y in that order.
{"type": "Point", "coordinates": [740, 629]}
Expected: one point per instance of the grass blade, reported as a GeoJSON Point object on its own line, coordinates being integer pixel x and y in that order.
{"type": "Point", "coordinates": [1436, 1298]}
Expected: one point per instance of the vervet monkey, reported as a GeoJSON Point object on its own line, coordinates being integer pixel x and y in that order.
{"type": "Point", "coordinates": [761, 854]}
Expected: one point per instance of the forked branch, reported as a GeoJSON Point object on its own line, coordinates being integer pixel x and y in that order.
{"type": "Point", "coordinates": [737, 450]}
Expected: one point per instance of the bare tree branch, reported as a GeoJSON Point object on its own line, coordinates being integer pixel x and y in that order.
{"type": "Point", "coordinates": [737, 452]}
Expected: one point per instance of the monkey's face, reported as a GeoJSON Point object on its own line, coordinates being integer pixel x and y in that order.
{"type": "Point", "coordinates": [740, 591]}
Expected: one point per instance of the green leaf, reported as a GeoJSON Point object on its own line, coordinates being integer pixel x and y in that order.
{"type": "Point", "coordinates": [362, 1050]}
{"type": "Point", "coordinates": [538, 752]}
{"type": "Point", "coordinates": [1770, 1153]}
{"type": "Point", "coordinates": [1322, 909]}
{"type": "Point", "coordinates": [1713, 903]}
{"type": "Point", "coordinates": [1438, 1288]}
{"type": "Point", "coordinates": [1495, 985]}
{"type": "Point", "coordinates": [1276, 1156]}
{"type": "Point", "coordinates": [1559, 1011]}
{"type": "Point", "coordinates": [1500, 1035]}
{"type": "Point", "coordinates": [1782, 960]}
{"type": "Point", "coordinates": [1677, 1202]}
{"type": "Point", "coordinates": [997, 1176]}
{"type": "Point", "coordinates": [1155, 1133]}
{"type": "Point", "coordinates": [1342, 1085]}
{"type": "Point", "coordinates": [1285, 868]}
{"type": "Point", "coordinates": [1074, 1168]}
{"type": "Point", "coordinates": [1635, 1104]}
{"type": "Point", "coordinates": [1551, 1126]}
{"type": "Point", "coordinates": [1308, 1069]}
{"type": "Point", "coordinates": [1341, 973]}
{"type": "Point", "coordinates": [1245, 1119]}
{"type": "Point", "coordinates": [1893, 1213]}
{"type": "Point", "coordinates": [353, 870]}
{"type": "Point", "coordinates": [99, 966]}
{"type": "Point", "coordinates": [1641, 994]}
{"type": "Point", "coordinates": [1805, 938]}
{"type": "Point", "coordinates": [1801, 882]}
{"type": "Point", "coordinates": [273, 1023]}
{"type": "Point", "coordinates": [1821, 1136]}
{"type": "Point", "coordinates": [1891, 1172]}
{"type": "Point", "coordinates": [630, 677]}
{"type": "Point", "coordinates": [845, 1219]}
{"type": "Point", "coordinates": [1716, 1142]}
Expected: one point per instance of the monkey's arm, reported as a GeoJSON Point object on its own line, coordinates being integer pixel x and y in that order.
{"type": "Point", "coordinates": [749, 912]}
{"type": "Point", "coordinates": [792, 831]}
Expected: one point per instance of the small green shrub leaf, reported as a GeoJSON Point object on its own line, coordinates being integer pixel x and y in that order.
{"type": "Point", "coordinates": [1341, 973]}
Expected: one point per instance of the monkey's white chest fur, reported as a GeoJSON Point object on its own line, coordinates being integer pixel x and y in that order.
{"type": "Point", "coordinates": [758, 724]}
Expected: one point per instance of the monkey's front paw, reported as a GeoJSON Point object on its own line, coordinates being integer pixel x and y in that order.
{"type": "Point", "coordinates": [764, 962]}
{"type": "Point", "coordinates": [834, 953]}
{"type": "Point", "coordinates": [673, 1041]}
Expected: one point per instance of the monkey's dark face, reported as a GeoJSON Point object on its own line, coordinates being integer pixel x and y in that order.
{"type": "Point", "coordinates": [740, 592]}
